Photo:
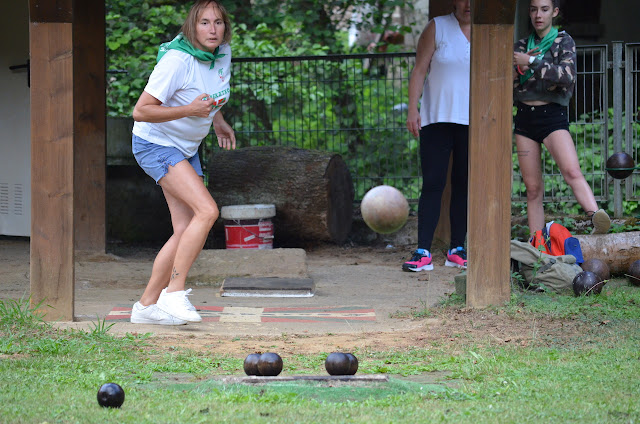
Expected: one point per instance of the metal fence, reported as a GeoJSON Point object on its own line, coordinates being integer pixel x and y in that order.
{"type": "Point", "coordinates": [632, 116]}
{"type": "Point", "coordinates": [355, 105]}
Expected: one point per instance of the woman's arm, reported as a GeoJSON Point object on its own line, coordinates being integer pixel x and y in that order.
{"type": "Point", "coordinates": [150, 109]}
{"type": "Point", "coordinates": [225, 134]}
{"type": "Point", "coordinates": [562, 73]}
{"type": "Point", "coordinates": [424, 53]}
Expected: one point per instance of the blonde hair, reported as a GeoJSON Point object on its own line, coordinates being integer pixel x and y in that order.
{"type": "Point", "coordinates": [191, 22]}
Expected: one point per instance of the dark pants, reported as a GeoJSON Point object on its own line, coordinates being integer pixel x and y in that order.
{"type": "Point", "coordinates": [437, 143]}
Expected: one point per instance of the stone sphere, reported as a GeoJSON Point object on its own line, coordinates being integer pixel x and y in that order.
{"type": "Point", "coordinates": [384, 209]}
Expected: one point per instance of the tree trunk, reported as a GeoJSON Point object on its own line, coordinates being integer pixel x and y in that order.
{"type": "Point", "coordinates": [618, 250]}
{"type": "Point", "coordinates": [312, 190]}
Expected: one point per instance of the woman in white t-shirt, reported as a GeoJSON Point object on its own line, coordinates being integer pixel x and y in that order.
{"type": "Point", "coordinates": [182, 99]}
{"type": "Point", "coordinates": [441, 77]}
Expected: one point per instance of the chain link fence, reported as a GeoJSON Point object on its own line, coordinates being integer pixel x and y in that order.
{"type": "Point", "coordinates": [356, 105]}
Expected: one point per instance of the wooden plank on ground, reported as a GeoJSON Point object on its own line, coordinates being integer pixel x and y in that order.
{"type": "Point", "coordinates": [52, 256]}
{"type": "Point", "coordinates": [490, 162]}
{"type": "Point", "coordinates": [267, 287]}
{"type": "Point", "coordinates": [253, 379]}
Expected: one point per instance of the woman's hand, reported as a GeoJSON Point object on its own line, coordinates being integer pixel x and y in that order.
{"type": "Point", "coordinates": [225, 134]}
{"type": "Point", "coordinates": [202, 106]}
{"type": "Point", "coordinates": [522, 59]}
{"type": "Point", "coordinates": [414, 122]}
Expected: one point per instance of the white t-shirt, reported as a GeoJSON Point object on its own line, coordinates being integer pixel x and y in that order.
{"type": "Point", "coordinates": [176, 81]}
{"type": "Point", "coordinates": [445, 96]}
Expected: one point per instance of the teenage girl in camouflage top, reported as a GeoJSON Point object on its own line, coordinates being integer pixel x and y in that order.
{"type": "Point", "coordinates": [544, 78]}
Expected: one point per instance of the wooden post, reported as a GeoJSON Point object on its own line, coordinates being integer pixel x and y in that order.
{"type": "Point", "coordinates": [439, 8]}
{"type": "Point", "coordinates": [89, 114]}
{"type": "Point", "coordinates": [442, 233]}
{"type": "Point", "coordinates": [490, 152]}
{"type": "Point", "coordinates": [52, 234]}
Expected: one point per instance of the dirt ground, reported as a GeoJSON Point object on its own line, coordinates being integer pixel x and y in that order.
{"type": "Point", "coordinates": [406, 304]}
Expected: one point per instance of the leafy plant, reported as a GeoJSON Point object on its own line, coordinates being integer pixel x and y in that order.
{"type": "Point", "coordinates": [100, 327]}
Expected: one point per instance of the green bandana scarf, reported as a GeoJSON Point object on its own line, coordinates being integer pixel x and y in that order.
{"type": "Point", "coordinates": [543, 47]}
{"type": "Point", "coordinates": [182, 44]}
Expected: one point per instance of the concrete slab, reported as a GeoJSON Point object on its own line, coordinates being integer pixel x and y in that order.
{"type": "Point", "coordinates": [213, 265]}
{"type": "Point", "coordinates": [364, 284]}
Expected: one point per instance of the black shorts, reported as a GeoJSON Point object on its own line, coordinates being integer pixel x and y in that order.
{"type": "Point", "coordinates": [537, 122]}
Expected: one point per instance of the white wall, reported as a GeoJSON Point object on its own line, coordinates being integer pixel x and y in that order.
{"type": "Point", "coordinates": [15, 123]}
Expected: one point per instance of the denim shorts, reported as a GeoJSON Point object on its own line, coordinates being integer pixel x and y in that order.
{"type": "Point", "coordinates": [537, 122]}
{"type": "Point", "coordinates": [155, 159]}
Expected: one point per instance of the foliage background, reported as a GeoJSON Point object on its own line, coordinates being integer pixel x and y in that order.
{"type": "Point", "coordinates": [373, 142]}
{"type": "Point", "coordinates": [262, 28]}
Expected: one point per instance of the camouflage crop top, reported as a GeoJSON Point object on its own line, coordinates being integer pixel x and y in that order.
{"type": "Point", "coordinates": [554, 76]}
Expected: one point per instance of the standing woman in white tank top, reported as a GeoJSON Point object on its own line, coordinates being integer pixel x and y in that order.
{"type": "Point", "coordinates": [440, 79]}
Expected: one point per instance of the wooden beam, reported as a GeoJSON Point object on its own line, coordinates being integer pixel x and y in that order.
{"type": "Point", "coordinates": [89, 114]}
{"type": "Point", "coordinates": [52, 255]}
{"type": "Point", "coordinates": [439, 8]}
{"type": "Point", "coordinates": [490, 162]}
{"type": "Point", "coordinates": [442, 233]}
{"type": "Point", "coordinates": [51, 11]}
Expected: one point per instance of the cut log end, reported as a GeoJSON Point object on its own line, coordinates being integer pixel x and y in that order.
{"type": "Point", "coordinates": [312, 190]}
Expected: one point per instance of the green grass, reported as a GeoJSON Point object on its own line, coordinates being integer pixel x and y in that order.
{"type": "Point", "coordinates": [51, 375]}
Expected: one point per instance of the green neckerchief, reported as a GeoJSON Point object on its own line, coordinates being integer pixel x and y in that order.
{"type": "Point", "coordinates": [543, 46]}
{"type": "Point", "coordinates": [182, 44]}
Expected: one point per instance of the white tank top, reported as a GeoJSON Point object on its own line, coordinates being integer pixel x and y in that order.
{"type": "Point", "coordinates": [445, 96]}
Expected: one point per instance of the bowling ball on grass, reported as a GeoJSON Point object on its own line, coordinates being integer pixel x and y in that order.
{"type": "Point", "coordinates": [337, 363]}
{"type": "Point", "coordinates": [251, 364]}
{"type": "Point", "coordinates": [270, 364]}
{"type": "Point", "coordinates": [598, 267]}
{"type": "Point", "coordinates": [620, 165]}
{"type": "Point", "coordinates": [384, 209]}
{"type": "Point", "coordinates": [634, 273]}
{"type": "Point", "coordinates": [353, 361]}
{"type": "Point", "coordinates": [587, 283]}
{"type": "Point", "coordinates": [110, 395]}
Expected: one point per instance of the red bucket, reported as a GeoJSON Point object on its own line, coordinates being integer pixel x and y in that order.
{"type": "Point", "coordinates": [248, 226]}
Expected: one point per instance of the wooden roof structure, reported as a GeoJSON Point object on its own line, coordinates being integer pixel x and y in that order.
{"type": "Point", "coordinates": [68, 144]}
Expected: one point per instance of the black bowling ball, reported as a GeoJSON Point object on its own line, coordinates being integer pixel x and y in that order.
{"type": "Point", "coordinates": [620, 165]}
{"type": "Point", "coordinates": [337, 363]}
{"type": "Point", "coordinates": [598, 267]}
{"type": "Point", "coordinates": [587, 283]}
{"type": "Point", "coordinates": [251, 364]}
{"type": "Point", "coordinates": [270, 364]}
{"type": "Point", "coordinates": [110, 395]}
{"type": "Point", "coordinates": [634, 273]}
{"type": "Point", "coordinates": [353, 361]}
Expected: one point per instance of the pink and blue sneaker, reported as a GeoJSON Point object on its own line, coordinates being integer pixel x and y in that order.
{"type": "Point", "coordinates": [457, 258]}
{"type": "Point", "coordinates": [421, 260]}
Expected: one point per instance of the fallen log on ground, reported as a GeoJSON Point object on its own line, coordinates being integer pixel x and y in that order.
{"type": "Point", "coordinates": [617, 250]}
{"type": "Point", "coordinates": [312, 190]}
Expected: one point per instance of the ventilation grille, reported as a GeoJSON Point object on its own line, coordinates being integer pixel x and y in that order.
{"type": "Point", "coordinates": [11, 199]}
{"type": "Point", "coordinates": [4, 199]}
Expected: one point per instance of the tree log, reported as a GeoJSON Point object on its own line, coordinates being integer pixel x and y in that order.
{"type": "Point", "coordinates": [617, 250]}
{"type": "Point", "coordinates": [312, 190]}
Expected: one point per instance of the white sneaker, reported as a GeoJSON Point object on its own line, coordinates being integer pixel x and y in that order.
{"type": "Point", "coordinates": [152, 315]}
{"type": "Point", "coordinates": [177, 304]}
